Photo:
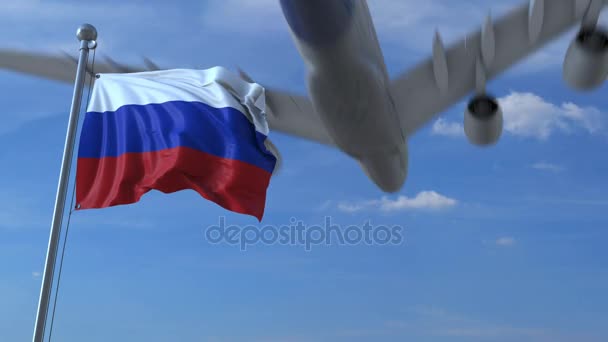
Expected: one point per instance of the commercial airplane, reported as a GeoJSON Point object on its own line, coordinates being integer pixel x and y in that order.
{"type": "Point", "coordinates": [355, 106]}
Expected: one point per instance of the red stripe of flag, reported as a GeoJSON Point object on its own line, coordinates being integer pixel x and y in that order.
{"type": "Point", "coordinates": [233, 184]}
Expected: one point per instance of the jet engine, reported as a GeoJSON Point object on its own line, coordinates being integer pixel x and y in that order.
{"type": "Point", "coordinates": [586, 62]}
{"type": "Point", "coordinates": [483, 120]}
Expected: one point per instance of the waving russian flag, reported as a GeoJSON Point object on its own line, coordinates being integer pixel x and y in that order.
{"type": "Point", "coordinates": [172, 130]}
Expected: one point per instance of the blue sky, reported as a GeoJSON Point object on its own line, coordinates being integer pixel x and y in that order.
{"type": "Point", "coordinates": [515, 250]}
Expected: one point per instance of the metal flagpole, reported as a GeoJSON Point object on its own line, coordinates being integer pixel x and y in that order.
{"type": "Point", "coordinates": [86, 34]}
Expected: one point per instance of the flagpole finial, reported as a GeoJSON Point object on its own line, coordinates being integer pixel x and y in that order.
{"type": "Point", "coordinates": [86, 32]}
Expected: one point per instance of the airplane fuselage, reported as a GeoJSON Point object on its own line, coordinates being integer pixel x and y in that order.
{"type": "Point", "coordinates": [348, 84]}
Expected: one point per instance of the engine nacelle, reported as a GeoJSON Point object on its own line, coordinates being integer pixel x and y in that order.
{"type": "Point", "coordinates": [483, 120]}
{"type": "Point", "coordinates": [586, 62]}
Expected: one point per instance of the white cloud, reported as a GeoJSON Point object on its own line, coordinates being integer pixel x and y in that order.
{"type": "Point", "coordinates": [353, 207]}
{"type": "Point", "coordinates": [36, 274]}
{"type": "Point", "coordinates": [408, 24]}
{"type": "Point", "coordinates": [245, 16]}
{"type": "Point", "coordinates": [505, 241]}
{"type": "Point", "coordinates": [324, 205]}
{"type": "Point", "coordinates": [402, 24]}
{"type": "Point", "coordinates": [38, 10]}
{"type": "Point", "coordinates": [16, 122]}
{"type": "Point", "coordinates": [411, 24]}
{"type": "Point", "coordinates": [424, 200]}
{"type": "Point", "coordinates": [446, 128]}
{"type": "Point", "coordinates": [432, 321]}
{"type": "Point", "coordinates": [44, 26]}
{"type": "Point", "coordinates": [544, 166]}
{"type": "Point", "coordinates": [487, 332]}
{"type": "Point", "coordinates": [529, 115]}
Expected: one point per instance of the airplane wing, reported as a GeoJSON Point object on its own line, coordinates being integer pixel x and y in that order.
{"type": "Point", "coordinates": [419, 94]}
{"type": "Point", "coordinates": [58, 67]}
{"type": "Point", "coordinates": [450, 74]}
{"type": "Point", "coordinates": [288, 113]}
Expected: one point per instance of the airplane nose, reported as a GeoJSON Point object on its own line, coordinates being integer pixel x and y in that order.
{"type": "Point", "coordinates": [318, 22]}
{"type": "Point", "coordinates": [387, 170]}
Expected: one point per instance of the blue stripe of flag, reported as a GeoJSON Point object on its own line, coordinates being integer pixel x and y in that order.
{"type": "Point", "coordinates": [222, 132]}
